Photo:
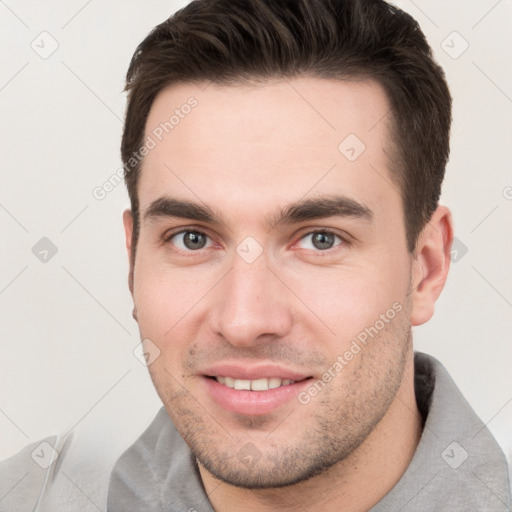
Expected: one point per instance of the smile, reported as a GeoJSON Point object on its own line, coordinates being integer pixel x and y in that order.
{"type": "Point", "coordinates": [253, 397]}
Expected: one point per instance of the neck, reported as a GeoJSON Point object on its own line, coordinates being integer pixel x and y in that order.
{"type": "Point", "coordinates": [381, 459]}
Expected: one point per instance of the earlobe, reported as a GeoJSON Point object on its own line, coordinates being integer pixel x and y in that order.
{"type": "Point", "coordinates": [128, 231]}
{"type": "Point", "coordinates": [431, 264]}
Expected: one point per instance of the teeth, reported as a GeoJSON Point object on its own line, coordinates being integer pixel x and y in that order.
{"type": "Point", "coordinates": [254, 385]}
{"type": "Point", "coordinates": [242, 384]}
{"type": "Point", "coordinates": [274, 383]}
{"type": "Point", "coordinates": [259, 385]}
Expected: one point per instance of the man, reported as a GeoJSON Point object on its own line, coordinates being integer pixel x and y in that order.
{"type": "Point", "coordinates": [284, 161]}
{"type": "Point", "coordinates": [284, 236]}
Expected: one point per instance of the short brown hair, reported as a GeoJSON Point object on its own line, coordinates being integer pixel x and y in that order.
{"type": "Point", "coordinates": [232, 41]}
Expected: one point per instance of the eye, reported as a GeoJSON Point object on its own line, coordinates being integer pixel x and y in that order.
{"type": "Point", "coordinates": [189, 240]}
{"type": "Point", "coordinates": [319, 240]}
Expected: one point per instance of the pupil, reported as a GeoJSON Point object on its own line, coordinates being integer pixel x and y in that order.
{"type": "Point", "coordinates": [323, 240]}
{"type": "Point", "coordinates": [194, 240]}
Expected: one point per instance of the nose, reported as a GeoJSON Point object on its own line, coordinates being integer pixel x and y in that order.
{"type": "Point", "coordinates": [251, 304]}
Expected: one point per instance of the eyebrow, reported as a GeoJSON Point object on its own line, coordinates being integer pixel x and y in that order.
{"type": "Point", "coordinates": [298, 211]}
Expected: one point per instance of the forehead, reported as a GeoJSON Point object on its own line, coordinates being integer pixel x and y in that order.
{"type": "Point", "coordinates": [266, 143]}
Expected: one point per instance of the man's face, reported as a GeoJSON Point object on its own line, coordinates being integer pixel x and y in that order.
{"type": "Point", "coordinates": [318, 297]}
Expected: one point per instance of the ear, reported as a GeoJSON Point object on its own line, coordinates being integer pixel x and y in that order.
{"type": "Point", "coordinates": [128, 232]}
{"type": "Point", "coordinates": [431, 264]}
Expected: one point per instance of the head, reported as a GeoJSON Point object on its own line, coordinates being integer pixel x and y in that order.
{"type": "Point", "coordinates": [284, 162]}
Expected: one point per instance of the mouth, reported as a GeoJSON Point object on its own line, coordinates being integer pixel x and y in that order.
{"type": "Point", "coordinates": [256, 396]}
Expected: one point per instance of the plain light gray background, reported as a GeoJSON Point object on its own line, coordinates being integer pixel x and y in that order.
{"type": "Point", "coordinates": [67, 336]}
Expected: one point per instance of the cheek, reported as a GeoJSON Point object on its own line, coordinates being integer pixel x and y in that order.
{"type": "Point", "coordinates": [168, 300]}
{"type": "Point", "coordinates": [158, 298]}
{"type": "Point", "coordinates": [352, 299]}
{"type": "Point", "coordinates": [160, 310]}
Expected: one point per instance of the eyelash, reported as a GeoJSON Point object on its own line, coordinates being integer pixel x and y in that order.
{"type": "Point", "coordinates": [167, 238]}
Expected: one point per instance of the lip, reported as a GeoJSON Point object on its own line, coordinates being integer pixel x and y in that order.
{"type": "Point", "coordinates": [259, 371]}
{"type": "Point", "coordinates": [253, 403]}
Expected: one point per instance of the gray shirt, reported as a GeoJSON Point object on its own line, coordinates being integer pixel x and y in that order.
{"type": "Point", "coordinates": [458, 466]}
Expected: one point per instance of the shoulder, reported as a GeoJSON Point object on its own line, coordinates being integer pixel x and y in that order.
{"type": "Point", "coordinates": [157, 472]}
{"type": "Point", "coordinates": [458, 465]}
{"type": "Point", "coordinates": [26, 476]}
{"type": "Point", "coordinates": [59, 472]}
{"type": "Point", "coordinates": [71, 471]}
